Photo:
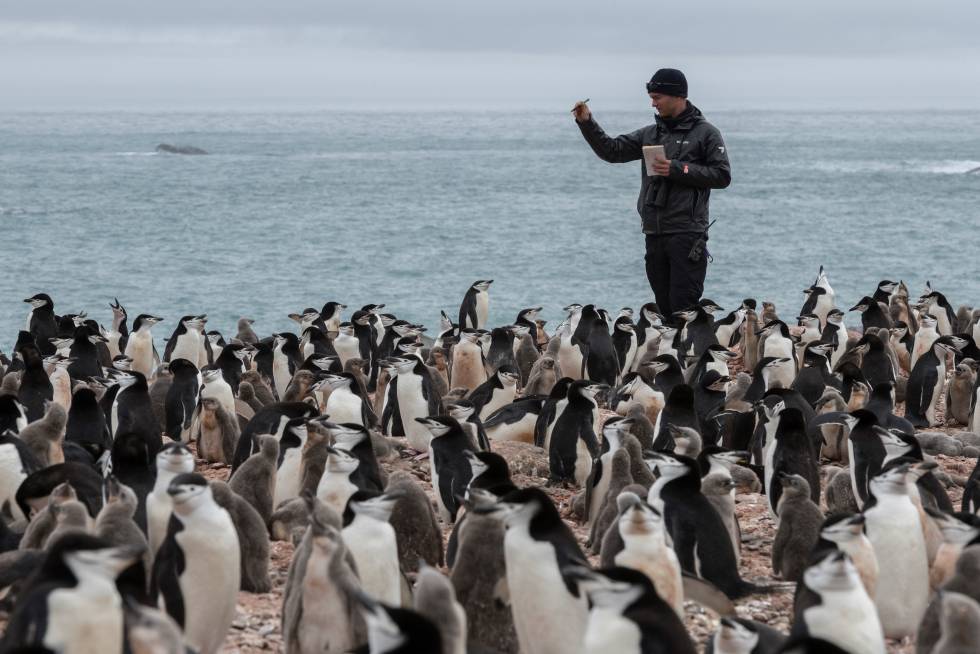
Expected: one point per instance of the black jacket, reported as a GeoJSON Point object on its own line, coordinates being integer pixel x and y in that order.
{"type": "Point", "coordinates": [699, 162]}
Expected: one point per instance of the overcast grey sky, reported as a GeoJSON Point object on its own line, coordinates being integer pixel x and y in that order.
{"type": "Point", "coordinates": [76, 54]}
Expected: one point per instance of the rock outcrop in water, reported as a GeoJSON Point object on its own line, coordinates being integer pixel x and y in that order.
{"type": "Point", "coordinates": [179, 149]}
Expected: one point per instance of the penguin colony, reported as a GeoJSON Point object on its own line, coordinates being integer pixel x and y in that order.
{"type": "Point", "coordinates": [112, 540]}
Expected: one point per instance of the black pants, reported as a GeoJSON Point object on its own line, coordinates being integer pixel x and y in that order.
{"type": "Point", "coordinates": [677, 282]}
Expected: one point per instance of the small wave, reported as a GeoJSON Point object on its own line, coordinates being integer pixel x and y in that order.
{"type": "Point", "coordinates": [12, 211]}
{"type": "Point", "coordinates": [946, 167]}
{"type": "Point", "coordinates": [135, 154]}
{"type": "Point", "coordinates": [953, 167]}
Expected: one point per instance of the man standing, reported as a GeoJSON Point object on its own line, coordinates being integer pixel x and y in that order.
{"type": "Point", "coordinates": [673, 202]}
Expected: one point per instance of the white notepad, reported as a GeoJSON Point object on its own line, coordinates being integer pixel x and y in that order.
{"type": "Point", "coordinates": [652, 153]}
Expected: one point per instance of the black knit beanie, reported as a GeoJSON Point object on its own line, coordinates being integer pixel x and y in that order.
{"type": "Point", "coordinates": [668, 81]}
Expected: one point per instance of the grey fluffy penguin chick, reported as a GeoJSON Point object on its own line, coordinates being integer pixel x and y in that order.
{"type": "Point", "coordinates": [840, 494]}
{"type": "Point", "coordinates": [746, 481]}
{"type": "Point", "coordinates": [289, 521]}
{"type": "Point", "coordinates": [960, 624]}
{"type": "Point", "coordinates": [414, 521]}
{"type": "Point", "coordinates": [115, 521]}
{"type": "Point", "coordinates": [964, 580]}
{"type": "Point", "coordinates": [320, 613]}
{"type": "Point", "coordinates": [527, 354]}
{"type": "Point", "coordinates": [44, 437]}
{"type": "Point", "coordinates": [217, 432]}
{"type": "Point", "coordinates": [313, 459]}
{"type": "Point", "coordinates": [436, 362]}
{"type": "Point", "coordinates": [638, 469]}
{"type": "Point", "coordinates": [479, 577]}
{"type": "Point", "coordinates": [356, 366]}
{"type": "Point", "coordinates": [246, 393]}
{"type": "Point", "coordinates": [43, 522]}
{"type": "Point", "coordinates": [833, 444]}
{"type": "Point", "coordinates": [10, 384]}
{"type": "Point", "coordinates": [158, 393]}
{"type": "Point", "coordinates": [261, 388]}
{"type": "Point", "coordinates": [612, 540]}
{"type": "Point", "coordinates": [959, 397]}
{"type": "Point", "coordinates": [642, 427]}
{"type": "Point", "coordinates": [255, 480]}
{"type": "Point", "coordinates": [620, 478]}
{"type": "Point", "coordinates": [70, 517]}
{"type": "Point", "coordinates": [750, 339]}
{"type": "Point", "coordinates": [799, 528]}
{"type": "Point", "coordinates": [435, 599]}
{"type": "Point", "coordinates": [253, 539]}
{"type": "Point", "coordinates": [245, 332]}
{"type": "Point", "coordinates": [543, 375]}
{"type": "Point", "coordinates": [735, 396]}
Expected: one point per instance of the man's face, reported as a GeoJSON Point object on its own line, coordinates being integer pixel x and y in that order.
{"type": "Point", "coordinates": [667, 106]}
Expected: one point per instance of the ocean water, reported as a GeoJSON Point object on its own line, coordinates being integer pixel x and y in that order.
{"type": "Point", "coordinates": [290, 210]}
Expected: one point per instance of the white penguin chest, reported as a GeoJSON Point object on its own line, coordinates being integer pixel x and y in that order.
{"type": "Point", "coordinates": [140, 349]}
{"type": "Point", "coordinates": [777, 346]}
{"type": "Point", "coordinates": [347, 347]}
{"type": "Point", "coordinates": [468, 370]}
{"type": "Point", "coordinates": [288, 476]}
{"type": "Point", "coordinates": [334, 489]}
{"type": "Point", "coordinates": [11, 475]}
{"type": "Point", "coordinates": [159, 506]}
{"type": "Point", "coordinates": [209, 584]}
{"type": "Point", "coordinates": [649, 554]}
{"type": "Point", "coordinates": [847, 619]}
{"type": "Point", "coordinates": [375, 551]}
{"type": "Point", "coordinates": [482, 309]}
{"type": "Point", "coordinates": [280, 372]}
{"type": "Point", "coordinates": [86, 619]}
{"type": "Point", "coordinates": [187, 347]}
{"type": "Point", "coordinates": [326, 627]}
{"type": "Point", "coordinates": [608, 631]}
{"type": "Point", "coordinates": [411, 405]}
{"type": "Point", "coordinates": [343, 406]}
{"type": "Point", "coordinates": [570, 359]}
{"type": "Point", "coordinates": [548, 619]}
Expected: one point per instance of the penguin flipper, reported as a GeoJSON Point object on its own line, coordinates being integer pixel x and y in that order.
{"type": "Point", "coordinates": [541, 425]}
{"type": "Point", "coordinates": [446, 483]}
{"type": "Point", "coordinates": [433, 403]}
{"type": "Point", "coordinates": [925, 399]}
{"type": "Point", "coordinates": [706, 594]}
{"type": "Point", "coordinates": [168, 565]}
{"type": "Point", "coordinates": [933, 487]}
{"type": "Point", "coordinates": [481, 435]}
{"type": "Point", "coordinates": [969, 503]}
{"type": "Point", "coordinates": [387, 414]}
{"type": "Point", "coordinates": [587, 434]}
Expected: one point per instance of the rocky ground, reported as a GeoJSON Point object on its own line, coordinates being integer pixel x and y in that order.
{"type": "Point", "coordinates": [256, 627]}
